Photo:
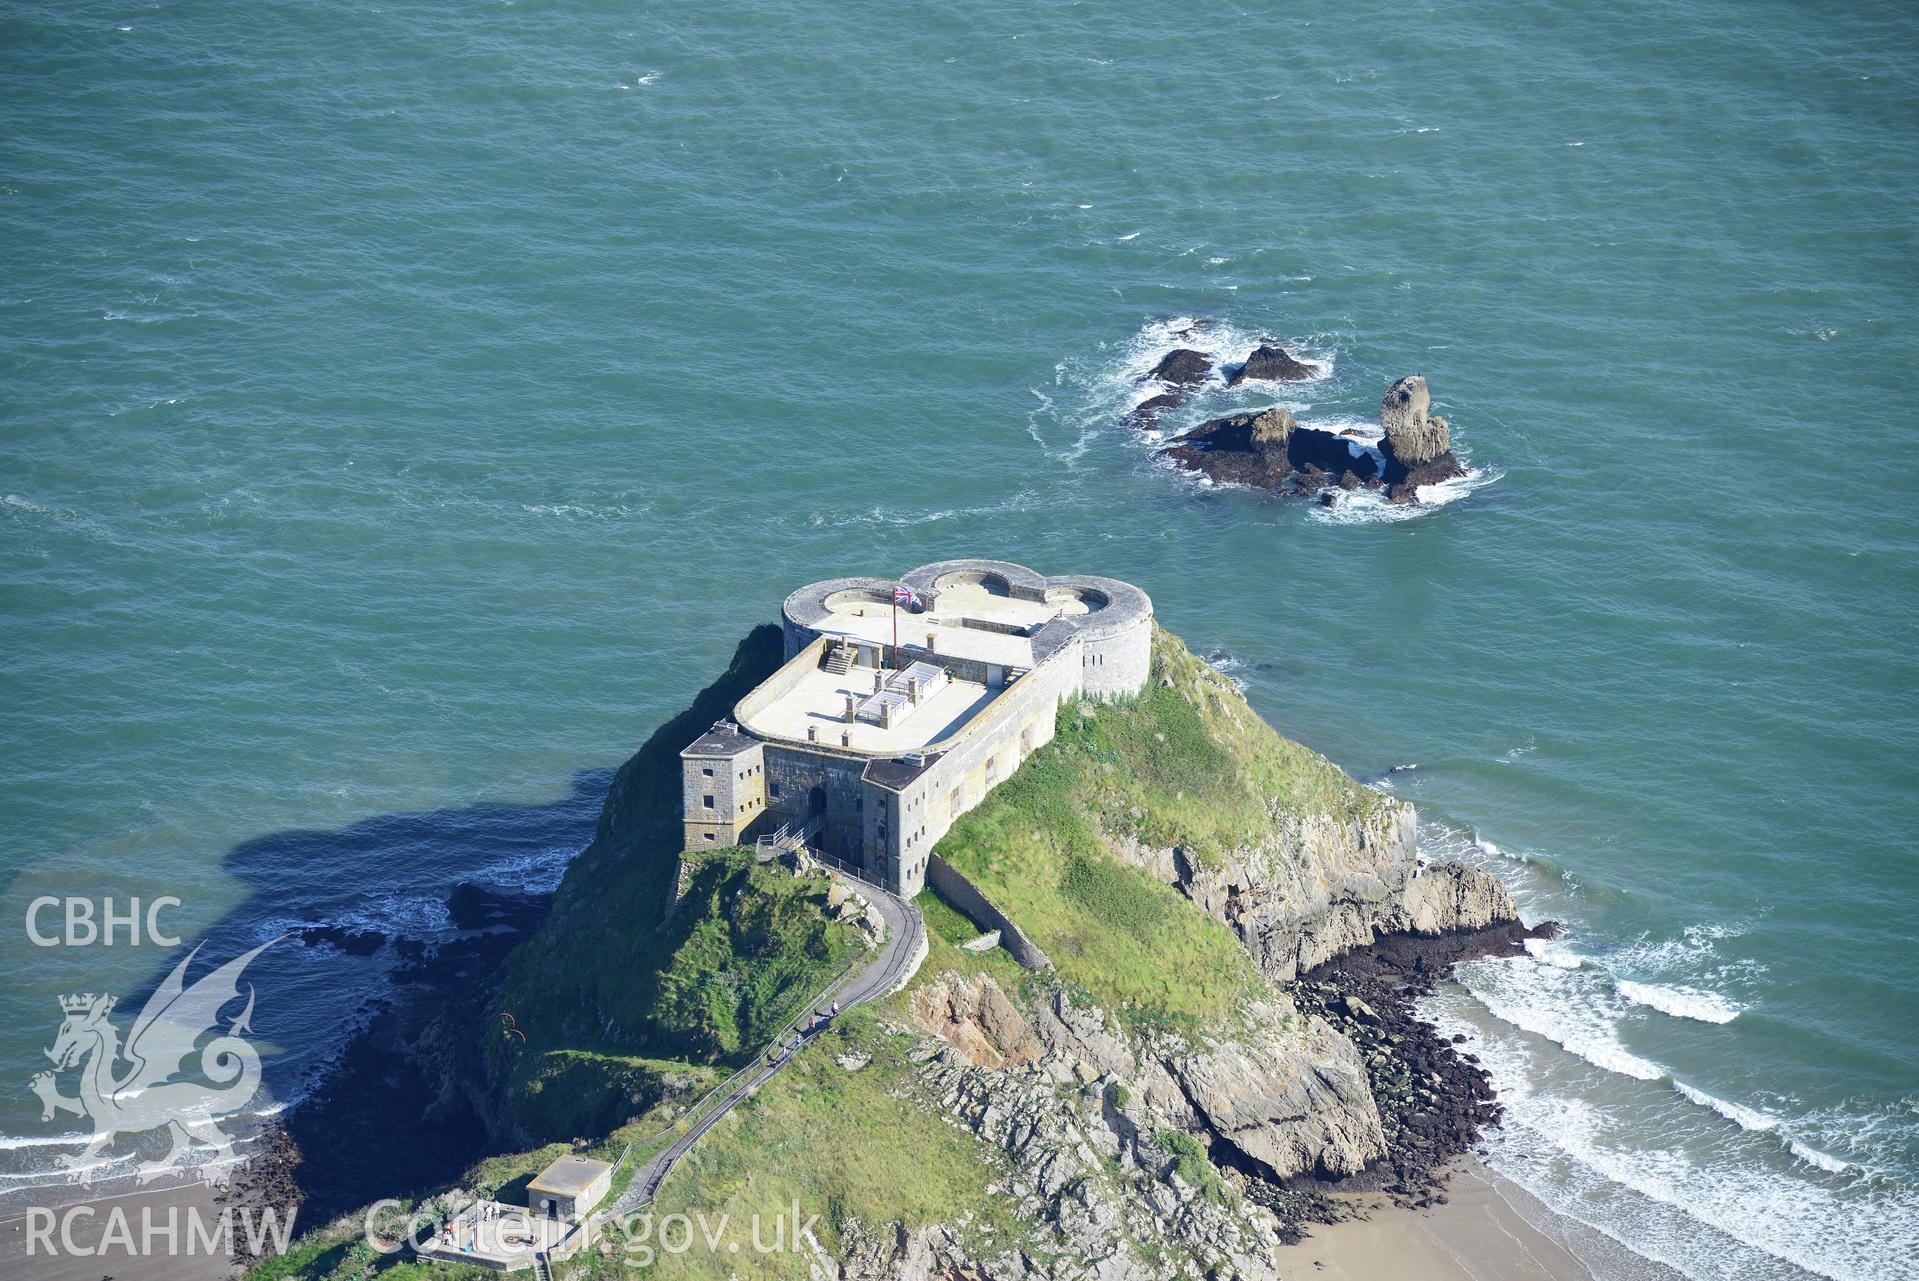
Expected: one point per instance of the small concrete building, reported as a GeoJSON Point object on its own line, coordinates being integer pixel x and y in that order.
{"type": "Point", "coordinates": [569, 1188]}
{"type": "Point", "coordinates": [888, 723]}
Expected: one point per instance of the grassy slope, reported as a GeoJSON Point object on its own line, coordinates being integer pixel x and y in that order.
{"type": "Point", "coordinates": [839, 1144]}
{"type": "Point", "coordinates": [1187, 764]}
{"type": "Point", "coordinates": [578, 969]}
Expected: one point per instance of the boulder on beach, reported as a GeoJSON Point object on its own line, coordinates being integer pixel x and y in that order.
{"type": "Point", "coordinates": [1182, 367]}
{"type": "Point", "coordinates": [1271, 363]}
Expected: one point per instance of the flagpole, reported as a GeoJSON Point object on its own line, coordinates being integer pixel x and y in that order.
{"type": "Point", "coordinates": [896, 629]}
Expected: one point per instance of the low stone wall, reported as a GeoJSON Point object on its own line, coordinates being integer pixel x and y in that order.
{"type": "Point", "coordinates": [964, 895]}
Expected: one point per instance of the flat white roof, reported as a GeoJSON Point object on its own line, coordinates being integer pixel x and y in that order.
{"type": "Point", "coordinates": [874, 625]}
{"type": "Point", "coordinates": [818, 699]}
{"type": "Point", "coordinates": [569, 1175]}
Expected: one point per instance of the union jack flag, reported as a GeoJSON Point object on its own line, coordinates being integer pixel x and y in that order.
{"type": "Point", "coordinates": [904, 595]}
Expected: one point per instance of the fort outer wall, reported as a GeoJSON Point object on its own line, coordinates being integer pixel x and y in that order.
{"type": "Point", "coordinates": [884, 814]}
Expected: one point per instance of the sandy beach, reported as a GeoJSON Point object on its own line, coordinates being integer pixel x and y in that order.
{"type": "Point", "coordinates": [1490, 1229]}
{"type": "Point", "coordinates": [95, 1244]}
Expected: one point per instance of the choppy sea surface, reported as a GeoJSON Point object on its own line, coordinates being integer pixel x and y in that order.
{"type": "Point", "coordinates": [403, 408]}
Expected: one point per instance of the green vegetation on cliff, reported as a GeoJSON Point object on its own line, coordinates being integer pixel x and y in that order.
{"type": "Point", "coordinates": [845, 1145]}
{"type": "Point", "coordinates": [746, 945]}
{"type": "Point", "coordinates": [614, 999]}
{"type": "Point", "coordinates": [578, 970]}
{"type": "Point", "coordinates": [1187, 765]}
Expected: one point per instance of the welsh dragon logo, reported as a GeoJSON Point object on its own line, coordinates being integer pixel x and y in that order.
{"type": "Point", "coordinates": [131, 1089]}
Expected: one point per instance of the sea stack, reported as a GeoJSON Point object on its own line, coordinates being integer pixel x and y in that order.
{"type": "Point", "coordinates": [1417, 445]}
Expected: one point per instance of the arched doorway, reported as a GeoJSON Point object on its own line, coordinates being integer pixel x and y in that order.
{"type": "Point", "coordinates": [816, 802]}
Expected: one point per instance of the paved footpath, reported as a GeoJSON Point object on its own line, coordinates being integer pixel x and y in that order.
{"type": "Point", "coordinates": [905, 932]}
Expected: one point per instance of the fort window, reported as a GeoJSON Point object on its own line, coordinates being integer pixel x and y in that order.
{"type": "Point", "coordinates": [707, 801]}
{"type": "Point", "coordinates": [707, 835]}
{"type": "Point", "coordinates": [773, 788]}
{"type": "Point", "coordinates": [708, 772]}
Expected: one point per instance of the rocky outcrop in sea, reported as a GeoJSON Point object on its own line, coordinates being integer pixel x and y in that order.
{"type": "Point", "coordinates": [1183, 369]}
{"type": "Point", "coordinates": [1417, 446]}
{"type": "Point", "coordinates": [1269, 449]}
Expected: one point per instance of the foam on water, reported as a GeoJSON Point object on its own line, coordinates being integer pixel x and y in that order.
{"type": "Point", "coordinates": [1744, 1117]}
{"type": "Point", "coordinates": [1103, 389]}
{"type": "Point", "coordinates": [1370, 506]}
{"type": "Point", "coordinates": [1574, 1008]}
{"type": "Point", "coordinates": [1680, 1002]}
{"type": "Point", "coordinates": [1679, 1186]}
{"type": "Point", "coordinates": [1554, 952]}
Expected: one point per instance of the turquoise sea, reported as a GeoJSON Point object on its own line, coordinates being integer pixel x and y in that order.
{"type": "Point", "coordinates": [405, 407]}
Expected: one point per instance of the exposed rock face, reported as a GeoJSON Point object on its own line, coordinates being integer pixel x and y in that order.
{"type": "Point", "coordinates": [1182, 367]}
{"type": "Point", "coordinates": [1239, 449]}
{"type": "Point", "coordinates": [1081, 1127]}
{"type": "Point", "coordinates": [1415, 437]}
{"type": "Point", "coordinates": [976, 1018]}
{"type": "Point", "coordinates": [1294, 1103]}
{"type": "Point", "coordinates": [1318, 885]}
{"type": "Point", "coordinates": [1417, 445]}
{"type": "Point", "coordinates": [1269, 361]}
{"type": "Point", "coordinates": [1451, 898]}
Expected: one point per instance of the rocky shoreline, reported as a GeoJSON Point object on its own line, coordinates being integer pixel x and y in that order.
{"type": "Point", "coordinates": [1433, 1099]}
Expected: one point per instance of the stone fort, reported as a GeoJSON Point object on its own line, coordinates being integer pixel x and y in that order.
{"type": "Point", "coordinates": [888, 722]}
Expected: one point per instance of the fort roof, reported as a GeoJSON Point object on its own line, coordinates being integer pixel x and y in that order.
{"type": "Point", "coordinates": [568, 1176]}
{"type": "Point", "coordinates": [817, 699]}
{"type": "Point", "coordinates": [724, 739]}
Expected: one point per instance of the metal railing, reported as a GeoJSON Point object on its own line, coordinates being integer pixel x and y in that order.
{"type": "Point", "coordinates": [786, 836]}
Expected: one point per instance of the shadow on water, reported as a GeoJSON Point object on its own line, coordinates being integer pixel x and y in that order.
{"type": "Point", "coordinates": [376, 928]}
{"type": "Point", "coordinates": [386, 941]}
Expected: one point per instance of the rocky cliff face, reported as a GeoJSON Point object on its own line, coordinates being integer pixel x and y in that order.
{"type": "Point", "coordinates": [1094, 1117]}
{"type": "Point", "coordinates": [1317, 886]}
{"type": "Point", "coordinates": [1105, 1134]}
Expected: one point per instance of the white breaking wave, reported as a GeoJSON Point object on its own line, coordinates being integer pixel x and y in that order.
{"type": "Point", "coordinates": [1680, 1002]}
{"type": "Point", "coordinates": [1554, 952]}
{"type": "Point", "coordinates": [1744, 1117]}
{"type": "Point", "coordinates": [1371, 507]}
{"type": "Point", "coordinates": [1820, 1160]}
{"type": "Point", "coordinates": [1573, 1008]}
{"type": "Point", "coordinates": [1633, 1163]}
